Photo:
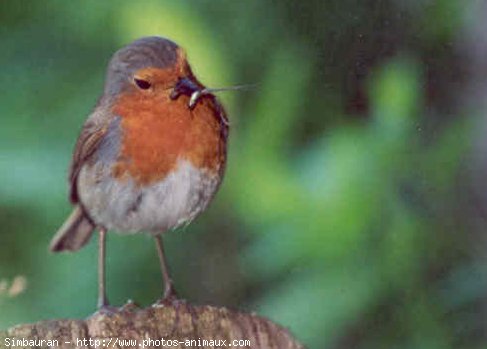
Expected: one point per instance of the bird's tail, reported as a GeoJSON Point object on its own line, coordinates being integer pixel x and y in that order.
{"type": "Point", "coordinates": [74, 233]}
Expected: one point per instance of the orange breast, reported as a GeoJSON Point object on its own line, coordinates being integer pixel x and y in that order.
{"type": "Point", "coordinates": [157, 132]}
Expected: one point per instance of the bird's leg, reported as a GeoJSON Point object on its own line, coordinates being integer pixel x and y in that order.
{"type": "Point", "coordinates": [102, 295]}
{"type": "Point", "coordinates": [169, 292]}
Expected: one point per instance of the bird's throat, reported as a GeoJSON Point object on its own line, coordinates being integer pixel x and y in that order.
{"type": "Point", "coordinates": [158, 131]}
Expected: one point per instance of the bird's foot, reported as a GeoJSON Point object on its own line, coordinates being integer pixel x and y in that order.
{"type": "Point", "coordinates": [170, 299]}
{"type": "Point", "coordinates": [107, 310]}
{"type": "Point", "coordinates": [129, 306]}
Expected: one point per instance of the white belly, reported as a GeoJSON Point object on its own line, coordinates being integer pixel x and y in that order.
{"type": "Point", "coordinates": [125, 207]}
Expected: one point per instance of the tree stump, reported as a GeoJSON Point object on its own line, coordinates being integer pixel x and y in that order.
{"type": "Point", "coordinates": [159, 326]}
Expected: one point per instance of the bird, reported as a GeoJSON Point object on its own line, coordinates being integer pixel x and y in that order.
{"type": "Point", "coordinates": [150, 156]}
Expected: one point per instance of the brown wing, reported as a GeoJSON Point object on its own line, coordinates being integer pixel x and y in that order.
{"type": "Point", "coordinates": [88, 141]}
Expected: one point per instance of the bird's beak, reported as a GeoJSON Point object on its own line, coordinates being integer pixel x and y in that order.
{"type": "Point", "coordinates": [188, 87]}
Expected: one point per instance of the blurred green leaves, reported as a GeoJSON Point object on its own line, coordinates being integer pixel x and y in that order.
{"type": "Point", "coordinates": [263, 149]}
{"type": "Point", "coordinates": [345, 214]}
{"type": "Point", "coordinates": [339, 210]}
{"type": "Point", "coordinates": [324, 205]}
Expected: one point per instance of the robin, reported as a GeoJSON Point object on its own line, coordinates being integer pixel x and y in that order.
{"type": "Point", "coordinates": [149, 158]}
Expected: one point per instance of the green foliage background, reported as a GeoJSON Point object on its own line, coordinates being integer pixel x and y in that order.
{"type": "Point", "coordinates": [347, 213]}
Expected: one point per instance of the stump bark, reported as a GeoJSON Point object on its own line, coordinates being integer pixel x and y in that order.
{"type": "Point", "coordinates": [179, 325]}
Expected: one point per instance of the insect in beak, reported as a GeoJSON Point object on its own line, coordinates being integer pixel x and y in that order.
{"type": "Point", "coordinates": [185, 86]}
{"type": "Point", "coordinates": [189, 88]}
{"type": "Point", "coordinates": [206, 91]}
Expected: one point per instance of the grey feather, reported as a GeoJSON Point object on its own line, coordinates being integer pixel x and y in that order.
{"type": "Point", "coordinates": [74, 233]}
{"type": "Point", "coordinates": [146, 52]}
{"type": "Point", "coordinates": [109, 147]}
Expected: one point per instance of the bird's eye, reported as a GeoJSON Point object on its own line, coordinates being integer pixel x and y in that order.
{"type": "Point", "coordinates": [142, 84]}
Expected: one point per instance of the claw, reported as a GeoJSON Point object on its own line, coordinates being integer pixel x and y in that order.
{"type": "Point", "coordinates": [106, 310]}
